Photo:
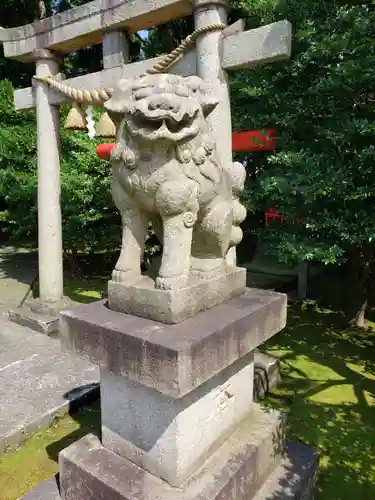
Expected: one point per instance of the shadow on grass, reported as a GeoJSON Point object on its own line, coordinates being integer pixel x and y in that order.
{"type": "Point", "coordinates": [328, 392]}
{"type": "Point", "coordinates": [89, 422]}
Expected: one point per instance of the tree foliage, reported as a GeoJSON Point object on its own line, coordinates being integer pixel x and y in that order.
{"type": "Point", "coordinates": [322, 105]}
{"type": "Point", "coordinates": [90, 220]}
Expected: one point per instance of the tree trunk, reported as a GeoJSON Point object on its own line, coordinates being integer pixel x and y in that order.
{"type": "Point", "coordinates": [71, 257]}
{"type": "Point", "coordinates": [361, 261]}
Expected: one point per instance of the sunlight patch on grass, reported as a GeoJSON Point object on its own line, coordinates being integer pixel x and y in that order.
{"type": "Point", "coordinates": [85, 291]}
{"type": "Point", "coordinates": [304, 367]}
{"type": "Point", "coordinates": [335, 395]}
{"type": "Point", "coordinates": [279, 353]}
{"type": "Point", "coordinates": [328, 394]}
{"type": "Point", "coordinates": [361, 370]}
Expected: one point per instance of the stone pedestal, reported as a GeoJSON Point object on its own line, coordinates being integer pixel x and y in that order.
{"type": "Point", "coordinates": [175, 306]}
{"type": "Point", "coordinates": [178, 417]}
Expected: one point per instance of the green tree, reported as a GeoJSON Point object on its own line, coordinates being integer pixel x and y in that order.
{"type": "Point", "coordinates": [90, 220]}
{"type": "Point", "coordinates": [322, 105]}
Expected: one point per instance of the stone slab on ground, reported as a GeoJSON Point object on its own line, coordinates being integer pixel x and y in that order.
{"type": "Point", "coordinates": [23, 316]}
{"type": "Point", "coordinates": [37, 382]}
{"type": "Point", "coordinates": [237, 468]}
{"type": "Point", "coordinates": [293, 479]}
{"type": "Point", "coordinates": [18, 269]}
{"type": "Point", "coordinates": [40, 321]}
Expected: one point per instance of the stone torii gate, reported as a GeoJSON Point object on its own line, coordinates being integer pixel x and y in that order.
{"type": "Point", "coordinates": [108, 21]}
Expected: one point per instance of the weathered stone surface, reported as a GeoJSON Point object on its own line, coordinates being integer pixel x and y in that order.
{"type": "Point", "coordinates": [187, 66]}
{"type": "Point", "coordinates": [50, 250]}
{"type": "Point", "coordinates": [269, 43]}
{"type": "Point", "coordinates": [37, 383]}
{"type": "Point", "coordinates": [23, 316]}
{"type": "Point", "coordinates": [40, 316]}
{"type": "Point", "coordinates": [173, 306]}
{"type": "Point", "coordinates": [170, 437]}
{"type": "Point", "coordinates": [266, 374]}
{"type": "Point", "coordinates": [84, 26]}
{"type": "Point", "coordinates": [89, 471]}
{"type": "Point", "coordinates": [174, 359]}
{"type": "Point", "coordinates": [167, 170]}
{"type": "Point", "coordinates": [292, 479]}
{"type": "Point", "coordinates": [115, 49]}
{"type": "Point", "coordinates": [45, 491]}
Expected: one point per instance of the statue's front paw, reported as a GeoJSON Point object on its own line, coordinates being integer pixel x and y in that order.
{"type": "Point", "coordinates": [171, 282]}
{"type": "Point", "coordinates": [128, 276]}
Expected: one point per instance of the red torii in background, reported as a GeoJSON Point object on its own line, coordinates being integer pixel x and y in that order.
{"type": "Point", "coordinates": [242, 142]}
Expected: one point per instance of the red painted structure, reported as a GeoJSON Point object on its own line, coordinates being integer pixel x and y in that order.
{"type": "Point", "coordinates": [242, 142]}
{"type": "Point", "coordinates": [250, 140]}
{"type": "Point", "coordinates": [104, 150]}
{"type": "Point", "coordinates": [254, 140]}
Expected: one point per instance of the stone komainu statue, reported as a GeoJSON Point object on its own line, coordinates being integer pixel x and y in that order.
{"type": "Point", "coordinates": [166, 170]}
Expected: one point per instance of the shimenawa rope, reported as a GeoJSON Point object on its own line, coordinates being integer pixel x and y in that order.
{"type": "Point", "coordinates": [98, 97]}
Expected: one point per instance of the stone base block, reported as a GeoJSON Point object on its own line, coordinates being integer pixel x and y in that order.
{"type": "Point", "coordinates": [172, 437]}
{"type": "Point", "coordinates": [23, 316]}
{"type": "Point", "coordinates": [239, 467]}
{"type": "Point", "coordinates": [174, 306]}
{"type": "Point", "coordinates": [173, 359]}
{"type": "Point", "coordinates": [239, 471]}
{"type": "Point", "coordinates": [40, 316]}
{"type": "Point", "coordinates": [293, 479]}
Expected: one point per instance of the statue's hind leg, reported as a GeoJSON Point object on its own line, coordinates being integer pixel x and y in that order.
{"type": "Point", "coordinates": [212, 237]}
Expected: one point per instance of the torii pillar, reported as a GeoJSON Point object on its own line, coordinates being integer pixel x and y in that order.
{"type": "Point", "coordinates": [42, 313]}
{"type": "Point", "coordinates": [208, 51]}
{"type": "Point", "coordinates": [49, 209]}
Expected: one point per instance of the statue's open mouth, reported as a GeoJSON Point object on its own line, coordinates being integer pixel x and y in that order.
{"type": "Point", "coordinates": [163, 126]}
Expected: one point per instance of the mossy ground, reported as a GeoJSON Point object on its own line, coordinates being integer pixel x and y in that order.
{"type": "Point", "coordinates": [36, 460]}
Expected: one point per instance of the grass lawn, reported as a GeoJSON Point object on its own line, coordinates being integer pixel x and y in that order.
{"type": "Point", "coordinates": [328, 391]}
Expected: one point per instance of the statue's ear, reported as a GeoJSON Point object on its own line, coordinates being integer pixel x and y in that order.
{"type": "Point", "coordinates": [120, 102]}
{"type": "Point", "coordinates": [204, 93]}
